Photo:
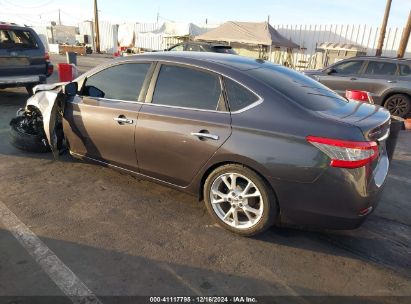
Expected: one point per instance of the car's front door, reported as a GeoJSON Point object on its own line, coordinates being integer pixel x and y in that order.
{"type": "Point", "coordinates": [182, 124]}
{"type": "Point", "coordinates": [100, 122]}
{"type": "Point", "coordinates": [343, 76]}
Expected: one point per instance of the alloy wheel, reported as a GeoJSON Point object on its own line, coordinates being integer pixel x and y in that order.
{"type": "Point", "coordinates": [397, 106]}
{"type": "Point", "coordinates": [236, 200]}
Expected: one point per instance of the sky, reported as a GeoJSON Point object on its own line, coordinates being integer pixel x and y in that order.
{"type": "Point", "coordinates": [370, 12]}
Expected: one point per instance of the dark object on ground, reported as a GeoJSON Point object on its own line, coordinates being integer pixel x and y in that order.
{"type": "Point", "coordinates": [397, 124]}
{"type": "Point", "coordinates": [26, 137]}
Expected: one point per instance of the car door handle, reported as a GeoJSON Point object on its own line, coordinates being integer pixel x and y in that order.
{"type": "Point", "coordinates": [203, 135]}
{"type": "Point", "coordinates": [391, 81]}
{"type": "Point", "coordinates": [123, 120]}
{"type": "Point", "coordinates": [353, 78]}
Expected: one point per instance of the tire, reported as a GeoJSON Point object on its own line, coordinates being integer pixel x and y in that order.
{"type": "Point", "coordinates": [398, 105]}
{"type": "Point", "coordinates": [25, 141]}
{"type": "Point", "coordinates": [254, 214]}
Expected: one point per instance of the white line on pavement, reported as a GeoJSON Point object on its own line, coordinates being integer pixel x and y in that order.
{"type": "Point", "coordinates": [58, 272]}
{"type": "Point", "coordinates": [400, 178]}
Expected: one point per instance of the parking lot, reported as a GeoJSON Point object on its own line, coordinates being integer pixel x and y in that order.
{"type": "Point", "coordinates": [121, 236]}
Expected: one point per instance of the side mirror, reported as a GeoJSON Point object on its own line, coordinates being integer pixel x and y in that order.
{"type": "Point", "coordinates": [330, 71]}
{"type": "Point", "coordinates": [92, 91]}
{"type": "Point", "coordinates": [71, 89]}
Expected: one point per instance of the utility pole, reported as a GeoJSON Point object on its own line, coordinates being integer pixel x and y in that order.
{"type": "Point", "coordinates": [96, 27]}
{"type": "Point", "coordinates": [59, 17]}
{"type": "Point", "coordinates": [383, 28]}
{"type": "Point", "coordinates": [404, 38]}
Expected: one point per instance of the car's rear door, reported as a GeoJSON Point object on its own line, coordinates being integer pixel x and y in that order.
{"type": "Point", "coordinates": [21, 53]}
{"type": "Point", "coordinates": [343, 76]}
{"type": "Point", "coordinates": [378, 77]}
{"type": "Point", "coordinates": [182, 124]}
{"type": "Point", "coordinates": [100, 122]}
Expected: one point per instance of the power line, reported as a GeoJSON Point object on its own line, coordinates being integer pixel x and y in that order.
{"type": "Point", "coordinates": [46, 3]}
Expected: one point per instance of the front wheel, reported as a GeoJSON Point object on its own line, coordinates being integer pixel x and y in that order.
{"type": "Point", "coordinates": [240, 200]}
{"type": "Point", "coordinates": [26, 137]}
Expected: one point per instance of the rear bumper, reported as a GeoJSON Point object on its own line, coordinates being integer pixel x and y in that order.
{"type": "Point", "coordinates": [338, 199]}
{"type": "Point", "coordinates": [21, 81]}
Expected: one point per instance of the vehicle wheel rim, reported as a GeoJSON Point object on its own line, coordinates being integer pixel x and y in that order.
{"type": "Point", "coordinates": [236, 200]}
{"type": "Point", "coordinates": [397, 106]}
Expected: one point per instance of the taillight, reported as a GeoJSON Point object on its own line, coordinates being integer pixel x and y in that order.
{"type": "Point", "coordinates": [346, 154]}
{"type": "Point", "coordinates": [50, 70]}
{"type": "Point", "coordinates": [47, 56]}
{"type": "Point", "coordinates": [362, 96]}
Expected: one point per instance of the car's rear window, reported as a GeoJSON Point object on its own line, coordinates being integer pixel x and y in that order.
{"type": "Point", "coordinates": [405, 70]}
{"type": "Point", "coordinates": [303, 90]}
{"type": "Point", "coordinates": [17, 39]}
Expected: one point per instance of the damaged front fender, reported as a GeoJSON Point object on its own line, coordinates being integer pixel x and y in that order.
{"type": "Point", "coordinates": [49, 100]}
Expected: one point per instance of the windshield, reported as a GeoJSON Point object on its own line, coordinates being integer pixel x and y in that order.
{"type": "Point", "coordinates": [302, 89]}
{"type": "Point", "coordinates": [17, 39]}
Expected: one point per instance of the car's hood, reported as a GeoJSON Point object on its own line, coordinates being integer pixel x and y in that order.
{"type": "Point", "coordinates": [48, 87]}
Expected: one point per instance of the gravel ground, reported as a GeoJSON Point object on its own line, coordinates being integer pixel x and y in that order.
{"type": "Point", "coordinates": [124, 236]}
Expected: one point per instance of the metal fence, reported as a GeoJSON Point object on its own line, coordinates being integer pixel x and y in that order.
{"type": "Point", "coordinates": [309, 35]}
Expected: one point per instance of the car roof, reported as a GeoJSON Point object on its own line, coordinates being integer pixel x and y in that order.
{"type": "Point", "coordinates": [236, 62]}
{"type": "Point", "coordinates": [207, 43]}
{"type": "Point", "coordinates": [380, 58]}
{"type": "Point", "coordinates": [12, 26]}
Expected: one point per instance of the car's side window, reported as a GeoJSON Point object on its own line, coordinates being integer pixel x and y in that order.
{"type": "Point", "coordinates": [178, 48]}
{"type": "Point", "coordinates": [405, 70]}
{"type": "Point", "coordinates": [348, 68]}
{"type": "Point", "coordinates": [238, 96]}
{"type": "Point", "coordinates": [121, 82]}
{"type": "Point", "coordinates": [187, 87]}
{"type": "Point", "coordinates": [380, 68]}
{"type": "Point", "coordinates": [193, 48]}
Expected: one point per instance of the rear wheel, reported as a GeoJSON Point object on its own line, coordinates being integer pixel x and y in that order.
{"type": "Point", "coordinates": [398, 105]}
{"type": "Point", "coordinates": [240, 200]}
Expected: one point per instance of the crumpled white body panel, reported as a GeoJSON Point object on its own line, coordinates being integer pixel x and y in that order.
{"type": "Point", "coordinates": [45, 100]}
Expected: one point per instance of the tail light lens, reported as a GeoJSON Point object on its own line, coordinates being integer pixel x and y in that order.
{"type": "Point", "coordinates": [346, 154]}
{"type": "Point", "coordinates": [47, 56]}
{"type": "Point", "coordinates": [362, 96]}
{"type": "Point", "coordinates": [50, 70]}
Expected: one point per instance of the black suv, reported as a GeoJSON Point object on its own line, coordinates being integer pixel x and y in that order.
{"type": "Point", "coordinates": [387, 79]}
{"type": "Point", "coordinates": [196, 46]}
{"type": "Point", "coordinates": [24, 61]}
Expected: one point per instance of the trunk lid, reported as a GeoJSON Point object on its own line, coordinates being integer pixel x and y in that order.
{"type": "Point", "coordinates": [374, 121]}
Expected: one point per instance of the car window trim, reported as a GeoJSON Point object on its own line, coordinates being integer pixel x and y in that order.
{"type": "Point", "coordinates": [141, 93]}
{"type": "Point", "coordinates": [154, 78]}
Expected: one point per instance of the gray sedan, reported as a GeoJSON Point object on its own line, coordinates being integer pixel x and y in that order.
{"type": "Point", "coordinates": [259, 143]}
